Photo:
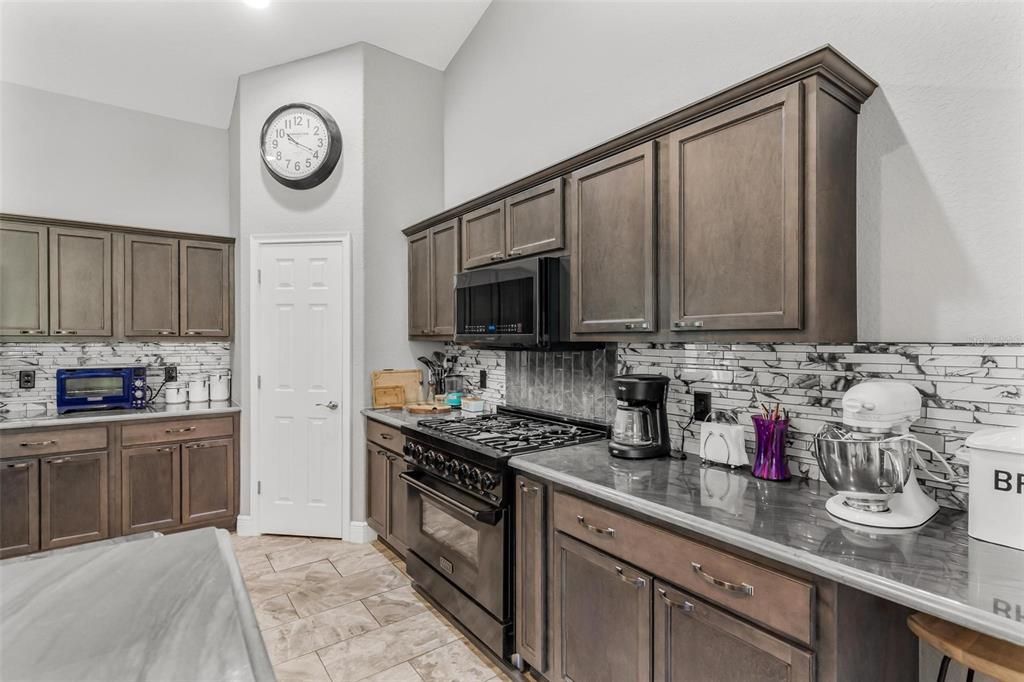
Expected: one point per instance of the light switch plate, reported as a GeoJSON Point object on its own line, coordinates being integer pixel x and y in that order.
{"type": "Point", "coordinates": [171, 373]}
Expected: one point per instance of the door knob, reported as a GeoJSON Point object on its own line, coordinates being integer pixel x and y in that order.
{"type": "Point", "coordinates": [333, 405]}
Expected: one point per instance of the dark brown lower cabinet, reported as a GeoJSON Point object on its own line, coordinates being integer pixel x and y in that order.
{"type": "Point", "coordinates": [397, 535]}
{"type": "Point", "coordinates": [377, 490]}
{"type": "Point", "coordinates": [531, 562]}
{"type": "Point", "coordinates": [150, 488]}
{"type": "Point", "coordinates": [19, 507]}
{"type": "Point", "coordinates": [603, 615]}
{"type": "Point", "coordinates": [697, 642]}
{"type": "Point", "coordinates": [73, 496]}
{"type": "Point", "coordinates": [207, 479]}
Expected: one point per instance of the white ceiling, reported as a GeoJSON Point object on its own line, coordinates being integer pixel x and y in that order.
{"type": "Point", "coordinates": [182, 59]}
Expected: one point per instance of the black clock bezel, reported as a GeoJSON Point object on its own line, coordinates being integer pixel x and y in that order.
{"type": "Point", "coordinates": [318, 176]}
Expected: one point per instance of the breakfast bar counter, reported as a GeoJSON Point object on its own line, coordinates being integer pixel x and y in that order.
{"type": "Point", "coordinates": [936, 569]}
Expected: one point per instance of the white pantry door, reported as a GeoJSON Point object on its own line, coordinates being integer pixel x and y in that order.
{"type": "Point", "coordinates": [303, 291]}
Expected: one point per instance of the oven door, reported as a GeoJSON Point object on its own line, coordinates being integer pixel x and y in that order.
{"type": "Point", "coordinates": [461, 537]}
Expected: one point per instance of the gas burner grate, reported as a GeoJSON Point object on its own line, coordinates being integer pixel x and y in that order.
{"type": "Point", "coordinates": [513, 435]}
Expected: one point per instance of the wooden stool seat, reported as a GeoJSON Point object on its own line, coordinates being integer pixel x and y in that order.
{"type": "Point", "coordinates": [981, 653]}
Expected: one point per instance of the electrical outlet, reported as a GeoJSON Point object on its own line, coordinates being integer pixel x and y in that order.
{"type": "Point", "coordinates": [27, 378]}
{"type": "Point", "coordinates": [171, 373]}
{"type": "Point", "coordinates": [701, 405]}
{"type": "Point", "coordinates": [483, 378]}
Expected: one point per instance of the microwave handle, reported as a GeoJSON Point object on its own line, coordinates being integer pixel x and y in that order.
{"type": "Point", "coordinates": [489, 517]}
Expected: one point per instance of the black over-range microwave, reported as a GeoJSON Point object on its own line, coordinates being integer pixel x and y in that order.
{"type": "Point", "coordinates": [522, 304]}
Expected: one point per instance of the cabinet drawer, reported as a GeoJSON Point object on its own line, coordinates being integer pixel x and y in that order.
{"type": "Point", "coordinates": [778, 601]}
{"type": "Point", "coordinates": [182, 429]}
{"type": "Point", "coordinates": [52, 441]}
{"type": "Point", "coordinates": [385, 436]}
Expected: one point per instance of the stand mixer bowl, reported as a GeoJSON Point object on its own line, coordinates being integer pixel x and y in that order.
{"type": "Point", "coordinates": [861, 467]}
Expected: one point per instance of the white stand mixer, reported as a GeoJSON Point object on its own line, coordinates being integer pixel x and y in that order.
{"type": "Point", "coordinates": [871, 463]}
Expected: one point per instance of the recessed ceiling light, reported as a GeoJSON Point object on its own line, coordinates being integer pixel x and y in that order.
{"type": "Point", "coordinates": [257, 4]}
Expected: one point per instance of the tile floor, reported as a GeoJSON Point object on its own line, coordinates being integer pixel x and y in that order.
{"type": "Point", "coordinates": [332, 610]}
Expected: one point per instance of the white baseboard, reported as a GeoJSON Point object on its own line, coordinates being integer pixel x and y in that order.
{"type": "Point", "coordinates": [246, 525]}
{"type": "Point", "coordinates": [360, 531]}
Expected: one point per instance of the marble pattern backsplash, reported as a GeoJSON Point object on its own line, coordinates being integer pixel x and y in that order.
{"type": "Point", "coordinates": [46, 358]}
{"type": "Point", "coordinates": [964, 388]}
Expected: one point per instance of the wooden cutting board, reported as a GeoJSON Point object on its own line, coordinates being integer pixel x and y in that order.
{"type": "Point", "coordinates": [388, 396]}
{"type": "Point", "coordinates": [427, 408]}
{"type": "Point", "coordinates": [410, 380]}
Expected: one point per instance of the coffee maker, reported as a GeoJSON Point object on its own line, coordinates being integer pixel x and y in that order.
{"type": "Point", "coordinates": [640, 429]}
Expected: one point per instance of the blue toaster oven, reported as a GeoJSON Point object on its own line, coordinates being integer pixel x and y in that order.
{"type": "Point", "coordinates": [96, 388]}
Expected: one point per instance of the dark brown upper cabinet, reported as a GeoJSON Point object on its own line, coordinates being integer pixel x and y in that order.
{"type": "Point", "coordinates": [696, 641]}
{"type": "Point", "coordinates": [19, 507]}
{"type": "Point", "coordinates": [433, 262]}
{"type": "Point", "coordinates": [23, 280]}
{"type": "Point", "coordinates": [735, 207]}
{"type": "Point", "coordinates": [483, 236]}
{"type": "Point", "coordinates": [80, 282]}
{"type": "Point", "coordinates": [419, 284]}
{"type": "Point", "coordinates": [74, 499]}
{"type": "Point", "coordinates": [612, 218]}
{"type": "Point", "coordinates": [206, 274]}
{"type": "Point", "coordinates": [207, 479]}
{"type": "Point", "coordinates": [151, 286]}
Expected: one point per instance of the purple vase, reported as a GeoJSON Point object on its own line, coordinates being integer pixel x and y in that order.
{"type": "Point", "coordinates": [770, 460]}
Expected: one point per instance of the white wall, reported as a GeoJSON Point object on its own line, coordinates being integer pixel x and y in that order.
{"type": "Point", "coordinates": [64, 157]}
{"type": "Point", "coordinates": [941, 147]}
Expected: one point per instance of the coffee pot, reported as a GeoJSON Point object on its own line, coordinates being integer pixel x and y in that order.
{"type": "Point", "coordinates": [640, 427]}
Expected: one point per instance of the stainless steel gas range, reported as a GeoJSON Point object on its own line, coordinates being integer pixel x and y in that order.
{"type": "Point", "coordinates": [460, 523]}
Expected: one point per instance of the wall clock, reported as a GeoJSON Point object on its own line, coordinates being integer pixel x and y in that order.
{"type": "Point", "coordinates": [300, 145]}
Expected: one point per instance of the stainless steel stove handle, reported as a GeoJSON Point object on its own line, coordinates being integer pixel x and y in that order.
{"type": "Point", "coordinates": [489, 517]}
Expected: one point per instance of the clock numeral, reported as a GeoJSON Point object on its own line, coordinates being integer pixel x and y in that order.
{"type": "Point", "coordinates": [316, 155]}
{"type": "Point", "coordinates": [279, 156]}
{"type": "Point", "coordinates": [319, 142]}
{"type": "Point", "coordinates": [298, 119]}
{"type": "Point", "coordinates": [309, 164]}
{"type": "Point", "coordinates": [274, 143]}
{"type": "Point", "coordinates": [280, 133]}
{"type": "Point", "coordinates": [297, 166]}
{"type": "Point", "coordinates": [288, 123]}
{"type": "Point", "coordinates": [316, 130]}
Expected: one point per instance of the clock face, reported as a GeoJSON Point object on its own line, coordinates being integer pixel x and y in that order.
{"type": "Point", "coordinates": [300, 145]}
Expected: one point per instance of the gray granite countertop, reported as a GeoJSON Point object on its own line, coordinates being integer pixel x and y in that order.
{"type": "Point", "coordinates": [20, 417]}
{"type": "Point", "coordinates": [158, 608]}
{"type": "Point", "coordinates": [936, 569]}
{"type": "Point", "coordinates": [399, 418]}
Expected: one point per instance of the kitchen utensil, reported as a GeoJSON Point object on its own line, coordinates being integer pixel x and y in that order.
{"type": "Point", "coordinates": [640, 427]}
{"type": "Point", "coordinates": [427, 408]}
{"type": "Point", "coordinates": [453, 388]}
{"type": "Point", "coordinates": [220, 385]}
{"type": "Point", "coordinates": [770, 448]}
{"type": "Point", "coordinates": [175, 392]}
{"type": "Point", "coordinates": [996, 485]}
{"type": "Point", "coordinates": [721, 441]}
{"type": "Point", "coordinates": [411, 380]}
{"type": "Point", "coordinates": [199, 389]}
{"type": "Point", "coordinates": [388, 396]}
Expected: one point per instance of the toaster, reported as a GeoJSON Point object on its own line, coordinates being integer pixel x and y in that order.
{"type": "Point", "coordinates": [722, 443]}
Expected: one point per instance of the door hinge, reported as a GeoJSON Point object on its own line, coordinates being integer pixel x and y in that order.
{"type": "Point", "coordinates": [259, 381]}
{"type": "Point", "coordinates": [259, 487]}
{"type": "Point", "coordinates": [259, 276]}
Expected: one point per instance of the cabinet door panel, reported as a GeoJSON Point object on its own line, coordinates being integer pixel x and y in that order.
{"type": "Point", "coordinates": [150, 488]}
{"type": "Point", "coordinates": [444, 264]}
{"type": "Point", "coordinates": [74, 499]}
{"type": "Point", "coordinates": [80, 282]}
{"type": "Point", "coordinates": [483, 235]}
{"type": "Point", "coordinates": [419, 284]}
{"type": "Point", "coordinates": [377, 490]}
{"type": "Point", "coordinates": [205, 274]}
{"type": "Point", "coordinates": [23, 280]}
{"type": "Point", "coordinates": [735, 217]}
{"type": "Point", "coordinates": [604, 613]}
{"type": "Point", "coordinates": [696, 642]}
{"type": "Point", "coordinates": [612, 212]}
{"type": "Point", "coordinates": [207, 479]}
{"type": "Point", "coordinates": [397, 531]}
{"type": "Point", "coordinates": [150, 286]}
{"type": "Point", "coordinates": [531, 569]}
{"type": "Point", "coordinates": [19, 507]}
{"type": "Point", "coordinates": [535, 221]}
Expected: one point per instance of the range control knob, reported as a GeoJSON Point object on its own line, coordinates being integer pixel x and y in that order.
{"type": "Point", "coordinates": [473, 476]}
{"type": "Point", "coordinates": [137, 393]}
{"type": "Point", "coordinates": [463, 472]}
{"type": "Point", "coordinates": [488, 481]}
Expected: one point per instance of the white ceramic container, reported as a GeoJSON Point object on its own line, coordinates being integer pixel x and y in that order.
{"type": "Point", "coordinates": [996, 458]}
{"type": "Point", "coordinates": [199, 390]}
{"type": "Point", "coordinates": [220, 385]}
{"type": "Point", "coordinates": [175, 393]}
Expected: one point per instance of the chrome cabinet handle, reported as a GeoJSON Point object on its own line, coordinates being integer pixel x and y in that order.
{"type": "Point", "coordinates": [384, 436]}
{"type": "Point", "coordinates": [59, 460]}
{"type": "Point", "coordinates": [610, 532]}
{"type": "Point", "coordinates": [332, 405]}
{"type": "Point", "coordinates": [741, 588]}
{"type": "Point", "coordinates": [533, 490]}
{"type": "Point", "coordinates": [497, 256]}
{"type": "Point", "coordinates": [20, 465]}
{"type": "Point", "coordinates": [37, 444]}
{"type": "Point", "coordinates": [641, 325]}
{"type": "Point", "coordinates": [685, 605]}
{"type": "Point", "coordinates": [31, 331]}
{"type": "Point", "coordinates": [635, 582]}
{"type": "Point", "coordinates": [64, 331]}
{"type": "Point", "coordinates": [191, 446]}
{"type": "Point", "coordinates": [684, 325]}
{"type": "Point", "coordinates": [165, 449]}
{"type": "Point", "coordinates": [165, 333]}
{"type": "Point", "coordinates": [184, 430]}
{"type": "Point", "coordinates": [515, 253]}
{"type": "Point", "coordinates": [191, 333]}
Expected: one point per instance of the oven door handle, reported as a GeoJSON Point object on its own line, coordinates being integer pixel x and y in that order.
{"type": "Point", "coordinates": [488, 516]}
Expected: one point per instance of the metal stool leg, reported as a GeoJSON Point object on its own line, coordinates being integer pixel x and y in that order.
{"type": "Point", "coordinates": [970, 675]}
{"type": "Point", "coordinates": [943, 669]}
